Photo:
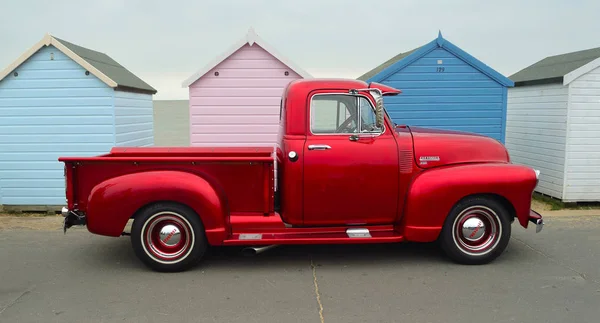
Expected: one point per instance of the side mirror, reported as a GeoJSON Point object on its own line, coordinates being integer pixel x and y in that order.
{"type": "Point", "coordinates": [378, 109]}
{"type": "Point", "coordinates": [377, 93]}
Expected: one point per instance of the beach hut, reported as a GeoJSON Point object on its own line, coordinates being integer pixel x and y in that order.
{"type": "Point", "coordinates": [553, 124]}
{"type": "Point", "coordinates": [61, 99]}
{"type": "Point", "coordinates": [234, 100]}
{"type": "Point", "coordinates": [444, 87]}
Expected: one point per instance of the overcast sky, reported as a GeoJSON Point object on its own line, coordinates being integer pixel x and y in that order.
{"type": "Point", "coordinates": [164, 42]}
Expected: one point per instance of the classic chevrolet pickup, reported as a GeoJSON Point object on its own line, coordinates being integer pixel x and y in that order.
{"type": "Point", "coordinates": [341, 172]}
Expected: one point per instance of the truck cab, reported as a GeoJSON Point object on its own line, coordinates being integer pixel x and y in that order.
{"type": "Point", "coordinates": [335, 150]}
{"type": "Point", "coordinates": [341, 172]}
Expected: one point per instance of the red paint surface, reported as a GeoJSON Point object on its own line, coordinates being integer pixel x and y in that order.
{"type": "Point", "coordinates": [111, 188]}
{"type": "Point", "coordinates": [454, 147]}
{"type": "Point", "coordinates": [308, 238]}
{"type": "Point", "coordinates": [379, 182]}
{"type": "Point", "coordinates": [345, 184]}
{"type": "Point", "coordinates": [435, 191]}
{"type": "Point", "coordinates": [274, 232]}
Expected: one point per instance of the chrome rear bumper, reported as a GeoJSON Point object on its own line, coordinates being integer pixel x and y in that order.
{"type": "Point", "coordinates": [71, 219]}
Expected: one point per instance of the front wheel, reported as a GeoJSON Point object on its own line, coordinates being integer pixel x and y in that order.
{"type": "Point", "coordinates": [168, 237]}
{"type": "Point", "coordinates": [476, 231]}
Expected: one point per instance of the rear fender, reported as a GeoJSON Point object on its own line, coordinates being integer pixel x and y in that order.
{"type": "Point", "coordinates": [113, 202]}
{"type": "Point", "coordinates": [434, 192]}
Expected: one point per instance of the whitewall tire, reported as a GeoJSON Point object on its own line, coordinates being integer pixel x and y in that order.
{"type": "Point", "coordinates": [168, 237]}
{"type": "Point", "coordinates": [476, 231]}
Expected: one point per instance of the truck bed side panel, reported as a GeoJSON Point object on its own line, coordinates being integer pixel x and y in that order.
{"type": "Point", "coordinates": [243, 183]}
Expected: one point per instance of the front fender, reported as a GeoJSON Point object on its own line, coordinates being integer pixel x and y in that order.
{"type": "Point", "coordinates": [112, 202]}
{"type": "Point", "coordinates": [434, 192]}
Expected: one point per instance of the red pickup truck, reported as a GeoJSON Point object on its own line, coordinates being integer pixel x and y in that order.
{"type": "Point", "coordinates": [341, 172]}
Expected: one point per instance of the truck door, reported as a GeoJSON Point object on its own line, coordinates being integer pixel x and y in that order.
{"type": "Point", "coordinates": [350, 169]}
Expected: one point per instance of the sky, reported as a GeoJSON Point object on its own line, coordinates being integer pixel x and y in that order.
{"type": "Point", "coordinates": [164, 42]}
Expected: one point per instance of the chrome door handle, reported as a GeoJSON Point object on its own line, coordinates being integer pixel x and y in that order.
{"type": "Point", "coordinates": [318, 147]}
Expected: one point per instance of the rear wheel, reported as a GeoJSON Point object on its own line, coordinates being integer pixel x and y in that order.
{"type": "Point", "coordinates": [168, 237]}
{"type": "Point", "coordinates": [476, 231]}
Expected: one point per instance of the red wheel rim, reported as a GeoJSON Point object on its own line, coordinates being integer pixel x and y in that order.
{"type": "Point", "coordinates": [477, 230]}
{"type": "Point", "coordinates": [167, 237]}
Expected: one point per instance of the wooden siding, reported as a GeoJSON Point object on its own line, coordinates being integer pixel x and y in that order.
{"type": "Point", "coordinates": [171, 123]}
{"type": "Point", "coordinates": [459, 97]}
{"type": "Point", "coordinates": [582, 173]}
{"type": "Point", "coordinates": [133, 119]}
{"type": "Point", "coordinates": [240, 106]}
{"type": "Point", "coordinates": [535, 132]}
{"type": "Point", "coordinates": [50, 109]}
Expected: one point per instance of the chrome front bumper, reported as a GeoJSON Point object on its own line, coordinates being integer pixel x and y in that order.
{"type": "Point", "coordinates": [537, 219]}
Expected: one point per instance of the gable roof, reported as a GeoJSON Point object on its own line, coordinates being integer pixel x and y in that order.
{"type": "Point", "coordinates": [385, 65]}
{"type": "Point", "coordinates": [98, 64]}
{"type": "Point", "coordinates": [251, 38]}
{"type": "Point", "coordinates": [402, 60]}
{"type": "Point", "coordinates": [556, 68]}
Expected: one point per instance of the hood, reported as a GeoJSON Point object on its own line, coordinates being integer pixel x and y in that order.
{"type": "Point", "coordinates": [435, 147]}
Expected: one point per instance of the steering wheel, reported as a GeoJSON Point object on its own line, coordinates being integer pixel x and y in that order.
{"type": "Point", "coordinates": [346, 125]}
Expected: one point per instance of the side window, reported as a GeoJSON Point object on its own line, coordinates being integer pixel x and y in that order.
{"type": "Point", "coordinates": [367, 116]}
{"type": "Point", "coordinates": [333, 113]}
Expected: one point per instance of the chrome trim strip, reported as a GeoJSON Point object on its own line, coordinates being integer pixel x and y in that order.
{"type": "Point", "coordinates": [361, 134]}
{"type": "Point", "coordinates": [250, 236]}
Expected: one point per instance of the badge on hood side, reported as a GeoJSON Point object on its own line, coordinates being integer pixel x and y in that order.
{"type": "Point", "coordinates": [423, 160]}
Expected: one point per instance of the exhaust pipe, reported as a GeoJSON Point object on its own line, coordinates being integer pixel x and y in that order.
{"type": "Point", "coordinates": [251, 251]}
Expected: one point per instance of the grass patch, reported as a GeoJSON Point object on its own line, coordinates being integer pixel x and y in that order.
{"type": "Point", "coordinates": [556, 204]}
{"type": "Point", "coordinates": [553, 203]}
{"type": "Point", "coordinates": [25, 214]}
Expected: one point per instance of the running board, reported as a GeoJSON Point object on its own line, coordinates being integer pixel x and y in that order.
{"type": "Point", "coordinates": [384, 234]}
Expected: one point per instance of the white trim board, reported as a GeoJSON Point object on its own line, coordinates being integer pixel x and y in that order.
{"type": "Point", "coordinates": [47, 41]}
{"type": "Point", "coordinates": [573, 75]}
{"type": "Point", "coordinates": [251, 38]}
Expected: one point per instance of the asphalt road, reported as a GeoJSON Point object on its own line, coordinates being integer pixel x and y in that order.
{"type": "Point", "coordinates": [553, 276]}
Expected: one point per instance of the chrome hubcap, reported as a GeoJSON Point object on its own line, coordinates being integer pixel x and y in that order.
{"type": "Point", "coordinates": [473, 229]}
{"type": "Point", "coordinates": [170, 235]}
{"type": "Point", "coordinates": [477, 230]}
{"type": "Point", "coordinates": [167, 237]}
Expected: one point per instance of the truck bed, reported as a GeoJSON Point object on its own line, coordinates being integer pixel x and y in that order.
{"type": "Point", "coordinates": [244, 174]}
{"type": "Point", "coordinates": [186, 152]}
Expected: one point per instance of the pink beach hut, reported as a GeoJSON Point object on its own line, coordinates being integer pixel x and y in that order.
{"type": "Point", "coordinates": [234, 100]}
